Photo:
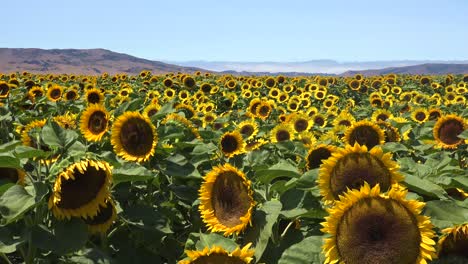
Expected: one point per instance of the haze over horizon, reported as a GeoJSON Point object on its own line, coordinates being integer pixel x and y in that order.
{"type": "Point", "coordinates": [246, 31]}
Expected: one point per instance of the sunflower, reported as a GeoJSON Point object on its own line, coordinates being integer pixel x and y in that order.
{"type": "Point", "coordinates": [226, 200]}
{"type": "Point", "coordinates": [35, 93]}
{"type": "Point", "coordinates": [217, 254]}
{"type": "Point", "coordinates": [66, 121]}
{"type": "Point", "coordinates": [317, 154]}
{"type": "Point", "coordinates": [381, 115]}
{"type": "Point", "coordinates": [248, 129]}
{"type": "Point", "coordinates": [71, 94]}
{"type": "Point", "coordinates": [350, 167]}
{"type": "Point", "coordinates": [263, 110]}
{"type": "Point", "coordinates": [254, 144]}
{"type": "Point", "coordinates": [434, 114]}
{"type": "Point", "coordinates": [12, 175]}
{"type": "Point", "coordinates": [344, 119]}
{"type": "Point", "coordinates": [80, 189]}
{"type": "Point", "coordinates": [252, 108]}
{"type": "Point", "coordinates": [366, 226]}
{"type": "Point", "coordinates": [300, 122]}
{"type": "Point", "coordinates": [231, 144]}
{"type": "Point", "coordinates": [134, 137]}
{"type": "Point", "coordinates": [94, 122]}
{"type": "Point", "coordinates": [4, 90]}
{"type": "Point", "coordinates": [307, 138]}
{"type": "Point", "coordinates": [188, 110]}
{"type": "Point", "coordinates": [94, 96]}
{"type": "Point", "coordinates": [319, 120]}
{"type": "Point", "coordinates": [151, 110]}
{"type": "Point", "coordinates": [189, 82]}
{"type": "Point", "coordinates": [178, 119]}
{"type": "Point", "coordinates": [420, 115]}
{"type": "Point", "coordinates": [446, 131]}
{"type": "Point", "coordinates": [454, 241]}
{"type": "Point", "coordinates": [365, 133]}
{"type": "Point", "coordinates": [282, 132]}
{"type": "Point", "coordinates": [25, 136]}
{"type": "Point", "coordinates": [54, 93]}
{"type": "Point", "coordinates": [391, 133]}
{"type": "Point", "coordinates": [101, 222]}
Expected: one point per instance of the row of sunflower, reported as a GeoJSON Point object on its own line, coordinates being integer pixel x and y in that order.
{"type": "Point", "coordinates": [203, 168]}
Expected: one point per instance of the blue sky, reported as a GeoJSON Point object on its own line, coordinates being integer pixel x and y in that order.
{"type": "Point", "coordinates": [244, 30]}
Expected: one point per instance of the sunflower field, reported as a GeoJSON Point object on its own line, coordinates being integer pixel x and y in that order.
{"type": "Point", "coordinates": [206, 168]}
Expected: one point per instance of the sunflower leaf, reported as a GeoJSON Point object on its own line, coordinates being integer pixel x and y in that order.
{"type": "Point", "coordinates": [8, 243]}
{"type": "Point", "coordinates": [464, 134]}
{"type": "Point", "coordinates": [9, 161]}
{"type": "Point", "coordinates": [262, 225]}
{"type": "Point", "coordinates": [281, 169]}
{"type": "Point", "coordinates": [131, 172]}
{"type": "Point", "coordinates": [13, 203]}
{"type": "Point", "coordinates": [446, 213]}
{"type": "Point", "coordinates": [425, 187]}
{"type": "Point", "coordinates": [26, 152]}
{"type": "Point", "coordinates": [213, 239]}
{"type": "Point", "coordinates": [306, 251]}
{"type": "Point", "coordinates": [55, 136]}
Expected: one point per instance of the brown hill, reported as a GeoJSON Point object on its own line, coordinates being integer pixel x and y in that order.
{"type": "Point", "coordinates": [423, 69]}
{"type": "Point", "coordinates": [80, 61]}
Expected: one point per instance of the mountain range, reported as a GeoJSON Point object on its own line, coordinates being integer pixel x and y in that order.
{"type": "Point", "coordinates": [98, 61]}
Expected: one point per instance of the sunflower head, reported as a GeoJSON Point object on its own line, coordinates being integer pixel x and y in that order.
{"type": "Point", "coordinates": [217, 254]}
{"type": "Point", "coordinates": [12, 175]}
{"type": "Point", "coordinates": [80, 189]}
{"type": "Point", "coordinates": [317, 154]}
{"type": "Point", "coordinates": [282, 132]}
{"type": "Point", "coordinates": [352, 166]}
{"type": "Point", "coordinates": [263, 110]}
{"type": "Point", "coordinates": [364, 133]}
{"type": "Point", "coordinates": [231, 144]}
{"type": "Point", "coordinates": [454, 241]}
{"type": "Point", "coordinates": [446, 131]}
{"type": "Point", "coordinates": [94, 96]}
{"type": "Point", "coordinates": [134, 137]}
{"type": "Point", "coordinates": [420, 115]}
{"type": "Point", "coordinates": [366, 226]}
{"type": "Point", "coordinates": [391, 133]}
{"type": "Point", "coordinates": [54, 93]}
{"type": "Point", "coordinates": [248, 129]}
{"type": "Point", "coordinates": [101, 222]}
{"type": "Point", "coordinates": [94, 122]}
{"type": "Point", "coordinates": [300, 122]}
{"type": "Point", "coordinates": [226, 200]}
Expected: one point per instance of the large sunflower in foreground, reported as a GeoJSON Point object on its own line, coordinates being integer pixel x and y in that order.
{"type": "Point", "coordinates": [80, 189]}
{"type": "Point", "coordinates": [101, 222]}
{"type": "Point", "coordinates": [366, 226]}
{"type": "Point", "coordinates": [446, 131]}
{"type": "Point", "coordinates": [351, 166]}
{"type": "Point", "coordinates": [365, 133]}
{"type": "Point", "coordinates": [134, 137]}
{"type": "Point", "coordinates": [226, 200]}
{"type": "Point", "coordinates": [217, 254]}
{"type": "Point", "coordinates": [231, 144]}
{"type": "Point", "coordinates": [94, 122]}
{"type": "Point", "coordinates": [454, 241]}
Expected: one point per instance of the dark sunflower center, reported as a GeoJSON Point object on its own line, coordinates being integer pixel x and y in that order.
{"type": "Point", "coordinates": [83, 189]}
{"type": "Point", "coordinates": [264, 110]}
{"type": "Point", "coordinates": [55, 94]}
{"type": "Point", "coordinates": [455, 246]}
{"type": "Point", "coordinates": [217, 258]}
{"type": "Point", "coordinates": [282, 135]}
{"type": "Point", "coordinates": [353, 169]}
{"type": "Point", "coordinates": [420, 116]}
{"type": "Point", "coordinates": [4, 89]}
{"type": "Point", "coordinates": [382, 117]}
{"type": "Point", "coordinates": [229, 144]}
{"type": "Point", "coordinates": [391, 134]}
{"type": "Point", "coordinates": [319, 121]}
{"type": "Point", "coordinates": [315, 158]}
{"type": "Point", "coordinates": [136, 137]}
{"type": "Point", "coordinates": [449, 131]}
{"type": "Point", "coordinates": [97, 122]}
{"type": "Point", "coordinates": [376, 231]}
{"type": "Point", "coordinates": [301, 125]}
{"type": "Point", "coordinates": [9, 174]}
{"type": "Point", "coordinates": [364, 135]}
{"type": "Point", "coordinates": [93, 98]}
{"type": "Point", "coordinates": [230, 199]}
{"type": "Point", "coordinates": [344, 123]}
{"type": "Point", "coordinates": [104, 214]}
{"type": "Point", "coordinates": [293, 106]}
{"type": "Point", "coordinates": [71, 95]}
{"type": "Point", "coordinates": [152, 112]}
{"type": "Point", "coordinates": [247, 130]}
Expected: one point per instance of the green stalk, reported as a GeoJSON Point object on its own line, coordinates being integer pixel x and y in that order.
{"type": "Point", "coordinates": [4, 256]}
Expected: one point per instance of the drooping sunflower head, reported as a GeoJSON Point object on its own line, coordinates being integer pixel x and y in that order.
{"type": "Point", "coordinates": [317, 154]}
{"type": "Point", "coordinates": [94, 122]}
{"type": "Point", "coordinates": [446, 131]}
{"type": "Point", "coordinates": [366, 226]}
{"type": "Point", "coordinates": [282, 132]}
{"type": "Point", "coordinates": [454, 241]}
{"type": "Point", "coordinates": [248, 129]}
{"type": "Point", "coordinates": [101, 222]}
{"type": "Point", "coordinates": [54, 93]}
{"type": "Point", "coordinates": [12, 175]}
{"type": "Point", "coordinates": [231, 144]}
{"type": "Point", "coordinates": [352, 166]}
{"type": "Point", "coordinates": [81, 189]}
{"type": "Point", "coordinates": [365, 133]}
{"type": "Point", "coordinates": [217, 254]}
{"type": "Point", "coordinates": [226, 200]}
{"type": "Point", "coordinates": [134, 137]}
{"type": "Point", "coordinates": [94, 96]}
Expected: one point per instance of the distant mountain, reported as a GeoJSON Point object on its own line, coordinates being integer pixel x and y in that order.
{"type": "Point", "coordinates": [425, 69]}
{"type": "Point", "coordinates": [80, 61]}
{"type": "Point", "coordinates": [312, 66]}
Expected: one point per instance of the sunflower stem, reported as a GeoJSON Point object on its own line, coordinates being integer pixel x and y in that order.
{"type": "Point", "coordinates": [286, 229]}
{"type": "Point", "coordinates": [4, 256]}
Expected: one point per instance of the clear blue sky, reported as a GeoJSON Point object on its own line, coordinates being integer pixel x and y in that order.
{"type": "Point", "coordinates": [243, 30]}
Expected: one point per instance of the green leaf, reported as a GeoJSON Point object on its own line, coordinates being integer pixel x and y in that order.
{"type": "Point", "coordinates": [307, 180]}
{"type": "Point", "coordinates": [281, 169]}
{"type": "Point", "coordinates": [464, 134]}
{"type": "Point", "coordinates": [13, 203]}
{"type": "Point", "coordinates": [9, 146]}
{"type": "Point", "coordinates": [55, 136]}
{"type": "Point", "coordinates": [9, 161]}
{"type": "Point", "coordinates": [394, 146]}
{"type": "Point", "coordinates": [306, 251]}
{"type": "Point", "coordinates": [8, 242]}
{"type": "Point", "coordinates": [131, 172]}
{"type": "Point", "coordinates": [262, 224]}
{"type": "Point", "coordinates": [425, 187]}
{"type": "Point", "coordinates": [213, 239]}
{"type": "Point", "coordinates": [446, 213]}
{"type": "Point", "coordinates": [26, 152]}
{"type": "Point", "coordinates": [178, 166]}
